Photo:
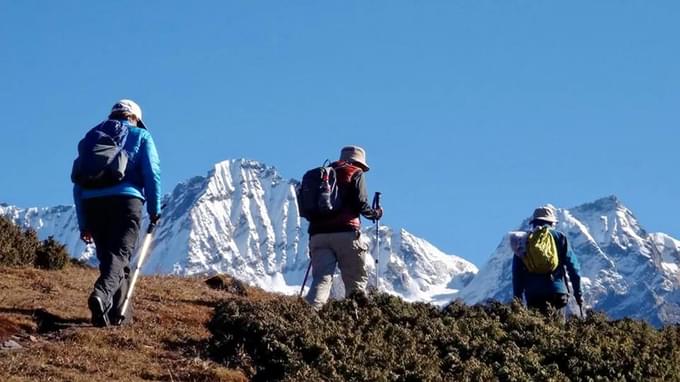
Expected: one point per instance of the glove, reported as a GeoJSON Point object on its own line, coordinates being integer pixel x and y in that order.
{"type": "Point", "coordinates": [86, 237]}
{"type": "Point", "coordinates": [153, 219]}
{"type": "Point", "coordinates": [377, 213]}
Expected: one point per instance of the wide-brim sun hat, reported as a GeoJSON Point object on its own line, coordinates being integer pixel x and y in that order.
{"type": "Point", "coordinates": [131, 107]}
{"type": "Point", "coordinates": [354, 154]}
{"type": "Point", "coordinates": [545, 213]}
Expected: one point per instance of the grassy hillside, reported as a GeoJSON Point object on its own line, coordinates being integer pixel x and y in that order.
{"type": "Point", "coordinates": [166, 343]}
{"type": "Point", "coordinates": [186, 330]}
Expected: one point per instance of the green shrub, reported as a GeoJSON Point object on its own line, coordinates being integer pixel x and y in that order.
{"type": "Point", "coordinates": [51, 255]}
{"type": "Point", "coordinates": [17, 246]}
{"type": "Point", "coordinates": [21, 247]}
{"type": "Point", "coordinates": [382, 338]}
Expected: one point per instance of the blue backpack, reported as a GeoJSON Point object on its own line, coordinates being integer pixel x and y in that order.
{"type": "Point", "coordinates": [101, 160]}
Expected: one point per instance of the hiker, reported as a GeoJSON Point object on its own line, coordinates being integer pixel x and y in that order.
{"type": "Point", "coordinates": [542, 257]}
{"type": "Point", "coordinates": [109, 208]}
{"type": "Point", "coordinates": [336, 239]}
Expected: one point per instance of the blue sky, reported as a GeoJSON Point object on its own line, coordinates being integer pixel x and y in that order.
{"type": "Point", "coordinates": [472, 112]}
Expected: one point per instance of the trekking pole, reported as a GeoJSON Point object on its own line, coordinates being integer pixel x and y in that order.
{"type": "Point", "coordinates": [376, 205]}
{"type": "Point", "coordinates": [135, 274]}
{"type": "Point", "coordinates": [302, 289]}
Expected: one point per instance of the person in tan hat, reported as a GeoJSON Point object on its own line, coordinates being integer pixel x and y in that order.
{"type": "Point", "coordinates": [540, 264]}
{"type": "Point", "coordinates": [336, 241]}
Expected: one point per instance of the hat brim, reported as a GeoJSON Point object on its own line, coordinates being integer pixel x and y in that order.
{"type": "Point", "coordinates": [364, 166]}
{"type": "Point", "coordinates": [547, 220]}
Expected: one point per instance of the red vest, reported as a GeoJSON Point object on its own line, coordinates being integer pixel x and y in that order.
{"type": "Point", "coordinates": [348, 217]}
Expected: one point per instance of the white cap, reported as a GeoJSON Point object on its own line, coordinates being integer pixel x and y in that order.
{"type": "Point", "coordinates": [129, 106]}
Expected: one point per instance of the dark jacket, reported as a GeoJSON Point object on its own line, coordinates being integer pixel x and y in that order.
{"type": "Point", "coordinates": [352, 188]}
{"type": "Point", "coordinates": [543, 286]}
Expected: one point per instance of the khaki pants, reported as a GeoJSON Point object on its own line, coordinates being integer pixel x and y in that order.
{"type": "Point", "coordinates": [348, 252]}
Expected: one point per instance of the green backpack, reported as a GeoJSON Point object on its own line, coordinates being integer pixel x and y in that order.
{"type": "Point", "coordinates": [541, 253]}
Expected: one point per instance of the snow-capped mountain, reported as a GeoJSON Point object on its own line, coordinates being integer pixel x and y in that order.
{"type": "Point", "coordinates": [241, 219]}
{"type": "Point", "coordinates": [416, 270]}
{"type": "Point", "coordinates": [626, 272]}
{"type": "Point", "coordinates": [59, 221]}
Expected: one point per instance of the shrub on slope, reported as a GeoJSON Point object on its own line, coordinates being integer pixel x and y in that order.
{"type": "Point", "coordinates": [51, 254]}
{"type": "Point", "coordinates": [19, 247]}
{"type": "Point", "coordinates": [385, 338]}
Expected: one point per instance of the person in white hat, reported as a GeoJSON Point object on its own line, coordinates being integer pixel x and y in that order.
{"type": "Point", "coordinates": [109, 209]}
{"type": "Point", "coordinates": [336, 241]}
{"type": "Point", "coordinates": [545, 288]}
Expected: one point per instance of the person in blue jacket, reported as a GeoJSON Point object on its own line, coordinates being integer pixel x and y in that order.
{"type": "Point", "coordinates": [111, 216]}
{"type": "Point", "coordinates": [542, 290]}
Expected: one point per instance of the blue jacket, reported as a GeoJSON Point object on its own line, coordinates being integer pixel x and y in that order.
{"type": "Point", "coordinates": [142, 178]}
{"type": "Point", "coordinates": [538, 286]}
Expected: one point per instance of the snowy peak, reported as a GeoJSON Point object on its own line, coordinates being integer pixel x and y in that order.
{"type": "Point", "coordinates": [610, 223]}
{"type": "Point", "coordinates": [415, 269]}
{"type": "Point", "coordinates": [241, 219]}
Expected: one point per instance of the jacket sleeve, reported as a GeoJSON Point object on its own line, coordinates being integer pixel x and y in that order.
{"type": "Point", "coordinates": [151, 172]}
{"type": "Point", "coordinates": [573, 268]}
{"type": "Point", "coordinates": [362, 196]}
{"type": "Point", "coordinates": [82, 224]}
{"type": "Point", "coordinates": [517, 277]}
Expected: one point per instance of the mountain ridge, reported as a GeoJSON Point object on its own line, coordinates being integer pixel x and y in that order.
{"type": "Point", "coordinates": [241, 219]}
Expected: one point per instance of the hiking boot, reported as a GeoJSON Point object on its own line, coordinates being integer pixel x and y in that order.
{"type": "Point", "coordinates": [100, 317]}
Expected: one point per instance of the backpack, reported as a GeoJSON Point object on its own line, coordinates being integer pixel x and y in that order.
{"type": "Point", "coordinates": [541, 251]}
{"type": "Point", "coordinates": [101, 160]}
{"type": "Point", "coordinates": [318, 194]}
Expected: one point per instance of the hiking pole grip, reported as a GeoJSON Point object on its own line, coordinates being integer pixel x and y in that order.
{"type": "Point", "coordinates": [151, 227]}
{"type": "Point", "coordinates": [153, 223]}
{"type": "Point", "coordinates": [376, 200]}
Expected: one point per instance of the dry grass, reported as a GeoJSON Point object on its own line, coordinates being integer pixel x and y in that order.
{"type": "Point", "coordinates": [167, 342]}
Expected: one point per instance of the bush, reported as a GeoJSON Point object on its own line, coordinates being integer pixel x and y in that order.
{"type": "Point", "coordinates": [20, 248]}
{"type": "Point", "coordinates": [384, 338]}
{"type": "Point", "coordinates": [51, 255]}
{"type": "Point", "coordinates": [17, 246]}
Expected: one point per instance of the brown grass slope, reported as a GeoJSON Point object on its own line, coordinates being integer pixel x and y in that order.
{"type": "Point", "coordinates": [268, 337]}
{"type": "Point", "coordinates": [166, 343]}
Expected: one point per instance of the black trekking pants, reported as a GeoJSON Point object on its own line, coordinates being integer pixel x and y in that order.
{"type": "Point", "coordinates": [114, 224]}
